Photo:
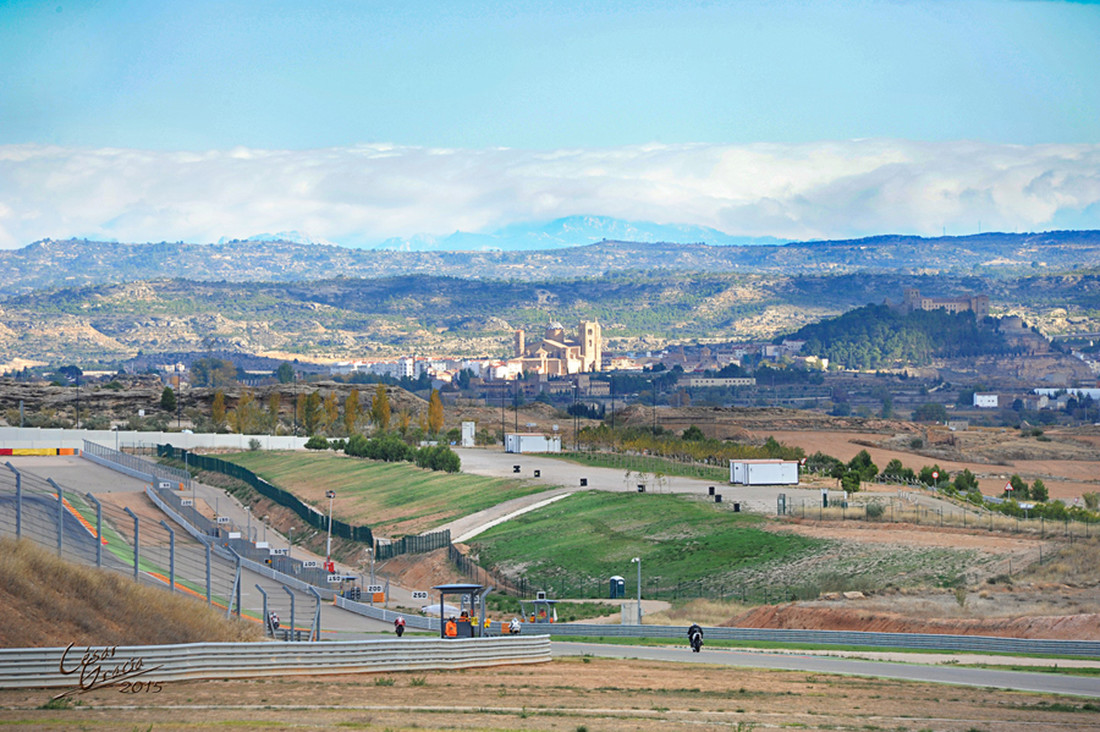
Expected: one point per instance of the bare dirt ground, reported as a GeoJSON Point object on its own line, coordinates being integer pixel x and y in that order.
{"type": "Point", "coordinates": [1069, 465]}
{"type": "Point", "coordinates": [566, 694]}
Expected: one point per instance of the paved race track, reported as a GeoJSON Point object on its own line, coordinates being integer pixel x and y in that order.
{"type": "Point", "coordinates": [1015, 680]}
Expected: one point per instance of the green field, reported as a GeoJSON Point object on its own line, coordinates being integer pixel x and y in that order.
{"type": "Point", "coordinates": [646, 467]}
{"type": "Point", "coordinates": [573, 546]}
{"type": "Point", "coordinates": [394, 499]}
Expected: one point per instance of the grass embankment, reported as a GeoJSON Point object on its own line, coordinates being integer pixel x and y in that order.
{"type": "Point", "coordinates": [47, 602]}
{"type": "Point", "coordinates": [571, 547]}
{"type": "Point", "coordinates": [645, 468]}
{"type": "Point", "coordinates": [394, 499]}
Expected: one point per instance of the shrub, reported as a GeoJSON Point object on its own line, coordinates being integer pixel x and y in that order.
{"type": "Point", "coordinates": [317, 442]}
{"type": "Point", "coordinates": [875, 510]}
{"type": "Point", "coordinates": [253, 444]}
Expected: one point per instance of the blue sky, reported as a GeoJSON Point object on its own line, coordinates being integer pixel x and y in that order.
{"type": "Point", "coordinates": [101, 101]}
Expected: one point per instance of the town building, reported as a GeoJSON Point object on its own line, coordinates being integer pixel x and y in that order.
{"type": "Point", "coordinates": [559, 353]}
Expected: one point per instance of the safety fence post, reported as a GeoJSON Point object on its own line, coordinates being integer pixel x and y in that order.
{"type": "Point", "coordinates": [98, 529]}
{"type": "Point", "coordinates": [171, 556]}
{"type": "Point", "coordinates": [267, 617]}
{"type": "Point", "coordinates": [60, 513]}
{"type": "Point", "coordinates": [315, 629]}
{"type": "Point", "coordinates": [136, 543]}
{"type": "Point", "coordinates": [18, 500]}
{"type": "Point", "coordinates": [292, 630]}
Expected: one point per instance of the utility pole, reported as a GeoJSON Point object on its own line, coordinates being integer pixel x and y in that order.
{"type": "Point", "coordinates": [328, 547]}
{"type": "Point", "coordinates": [638, 561]}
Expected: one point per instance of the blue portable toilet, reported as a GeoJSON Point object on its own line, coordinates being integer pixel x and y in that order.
{"type": "Point", "coordinates": [618, 587]}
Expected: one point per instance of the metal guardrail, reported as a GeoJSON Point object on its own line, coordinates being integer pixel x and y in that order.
{"type": "Point", "coordinates": [133, 465]}
{"type": "Point", "coordinates": [23, 668]}
{"type": "Point", "coordinates": [920, 641]}
{"type": "Point", "coordinates": [380, 613]}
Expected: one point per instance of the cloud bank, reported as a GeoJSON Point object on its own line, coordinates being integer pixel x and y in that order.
{"type": "Point", "coordinates": [365, 194]}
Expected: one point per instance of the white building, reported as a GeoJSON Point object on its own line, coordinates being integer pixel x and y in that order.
{"type": "Point", "coordinates": [985, 401]}
{"type": "Point", "coordinates": [764, 472]}
{"type": "Point", "coordinates": [522, 442]}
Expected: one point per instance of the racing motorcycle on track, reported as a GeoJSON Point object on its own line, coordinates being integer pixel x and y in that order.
{"type": "Point", "coordinates": [695, 637]}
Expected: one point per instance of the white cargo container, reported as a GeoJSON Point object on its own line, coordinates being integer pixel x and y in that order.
{"type": "Point", "coordinates": [764, 472]}
{"type": "Point", "coordinates": [519, 442]}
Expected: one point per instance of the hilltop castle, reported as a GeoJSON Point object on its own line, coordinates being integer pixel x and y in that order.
{"type": "Point", "coordinates": [978, 304]}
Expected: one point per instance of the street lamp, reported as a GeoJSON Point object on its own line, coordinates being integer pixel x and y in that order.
{"type": "Point", "coordinates": [290, 543]}
{"type": "Point", "coordinates": [638, 561]}
{"type": "Point", "coordinates": [265, 529]}
{"type": "Point", "coordinates": [328, 547]}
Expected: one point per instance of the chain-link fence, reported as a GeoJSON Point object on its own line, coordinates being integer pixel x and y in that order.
{"type": "Point", "coordinates": [123, 532]}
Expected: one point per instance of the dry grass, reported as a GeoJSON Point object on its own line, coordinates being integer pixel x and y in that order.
{"type": "Point", "coordinates": [47, 602]}
{"type": "Point", "coordinates": [1073, 564]}
{"type": "Point", "coordinates": [701, 611]}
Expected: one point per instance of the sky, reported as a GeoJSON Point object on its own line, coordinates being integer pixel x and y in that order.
{"type": "Point", "coordinates": [360, 121]}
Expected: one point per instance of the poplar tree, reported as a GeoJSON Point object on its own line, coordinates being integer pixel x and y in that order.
{"type": "Point", "coordinates": [351, 412]}
{"type": "Point", "coordinates": [380, 408]}
{"type": "Point", "coordinates": [217, 410]}
{"type": "Point", "coordinates": [435, 413]}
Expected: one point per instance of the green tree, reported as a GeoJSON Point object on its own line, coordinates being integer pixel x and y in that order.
{"type": "Point", "coordinates": [331, 414]}
{"type": "Point", "coordinates": [1019, 488]}
{"type": "Point", "coordinates": [273, 401]}
{"type": "Point", "coordinates": [850, 481]}
{"type": "Point", "coordinates": [930, 412]}
{"type": "Point", "coordinates": [863, 465]}
{"type": "Point", "coordinates": [926, 475]}
{"type": "Point", "coordinates": [248, 417]}
{"type": "Point", "coordinates": [897, 472]}
{"type": "Point", "coordinates": [168, 399]}
{"type": "Point", "coordinates": [313, 413]}
{"type": "Point", "coordinates": [694, 434]}
{"type": "Point", "coordinates": [380, 408]}
{"type": "Point", "coordinates": [1039, 491]}
{"type": "Point", "coordinates": [351, 412]}
{"type": "Point", "coordinates": [965, 481]}
{"type": "Point", "coordinates": [217, 410]}
{"type": "Point", "coordinates": [285, 373]}
{"type": "Point", "coordinates": [215, 373]}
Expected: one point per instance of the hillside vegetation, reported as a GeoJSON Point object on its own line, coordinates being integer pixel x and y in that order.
{"type": "Point", "coordinates": [572, 546]}
{"type": "Point", "coordinates": [345, 318]}
{"type": "Point", "coordinates": [47, 602]}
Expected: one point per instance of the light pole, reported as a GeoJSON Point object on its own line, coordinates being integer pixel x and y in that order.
{"type": "Point", "coordinates": [248, 531]}
{"type": "Point", "coordinates": [290, 543]}
{"type": "Point", "coordinates": [265, 529]}
{"type": "Point", "coordinates": [328, 547]}
{"type": "Point", "coordinates": [638, 561]}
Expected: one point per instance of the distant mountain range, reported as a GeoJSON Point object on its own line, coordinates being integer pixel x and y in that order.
{"type": "Point", "coordinates": [572, 231]}
{"type": "Point", "coordinates": [77, 262]}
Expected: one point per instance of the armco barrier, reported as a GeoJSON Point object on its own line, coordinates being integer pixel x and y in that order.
{"type": "Point", "coordinates": [380, 613]}
{"type": "Point", "coordinates": [25, 668]}
{"type": "Point", "coordinates": [921, 641]}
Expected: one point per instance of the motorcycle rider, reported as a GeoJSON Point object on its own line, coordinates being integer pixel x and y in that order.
{"type": "Point", "coordinates": [399, 626]}
{"type": "Point", "coordinates": [695, 636]}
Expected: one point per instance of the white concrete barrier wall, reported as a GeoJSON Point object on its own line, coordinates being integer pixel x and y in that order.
{"type": "Point", "coordinates": [26, 668]}
{"type": "Point", "coordinates": [24, 437]}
